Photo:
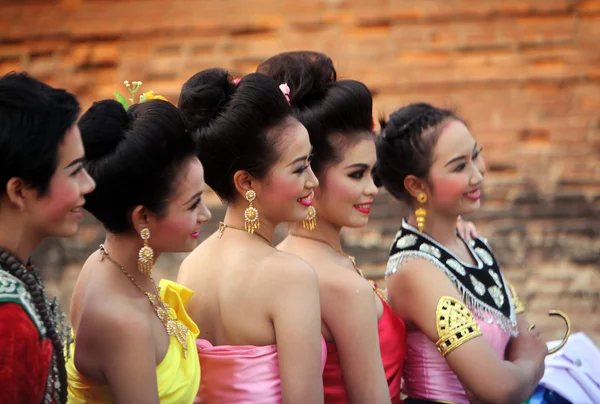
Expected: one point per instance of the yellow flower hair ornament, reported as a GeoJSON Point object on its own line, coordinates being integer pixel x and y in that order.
{"type": "Point", "coordinates": [133, 88]}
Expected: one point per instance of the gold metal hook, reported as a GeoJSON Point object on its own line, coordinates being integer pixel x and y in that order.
{"type": "Point", "coordinates": [567, 334]}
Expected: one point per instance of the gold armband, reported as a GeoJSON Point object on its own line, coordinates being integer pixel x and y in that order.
{"type": "Point", "coordinates": [455, 325]}
{"type": "Point", "coordinates": [517, 303]}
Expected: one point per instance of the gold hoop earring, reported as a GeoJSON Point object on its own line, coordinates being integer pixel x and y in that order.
{"type": "Point", "coordinates": [146, 254]}
{"type": "Point", "coordinates": [251, 223]}
{"type": "Point", "coordinates": [421, 213]}
{"type": "Point", "coordinates": [310, 223]}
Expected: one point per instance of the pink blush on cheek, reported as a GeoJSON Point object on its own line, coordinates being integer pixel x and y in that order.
{"type": "Point", "coordinates": [176, 227]}
{"type": "Point", "coordinates": [448, 191]}
{"type": "Point", "coordinates": [59, 201]}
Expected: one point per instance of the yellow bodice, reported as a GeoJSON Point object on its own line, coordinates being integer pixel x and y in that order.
{"type": "Point", "coordinates": [178, 378]}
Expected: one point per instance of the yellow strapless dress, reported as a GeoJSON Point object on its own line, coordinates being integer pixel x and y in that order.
{"type": "Point", "coordinates": [178, 378]}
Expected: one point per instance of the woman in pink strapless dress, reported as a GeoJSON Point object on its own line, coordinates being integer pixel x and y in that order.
{"type": "Point", "coordinates": [458, 308]}
{"type": "Point", "coordinates": [365, 339]}
{"type": "Point", "coordinates": [257, 308]}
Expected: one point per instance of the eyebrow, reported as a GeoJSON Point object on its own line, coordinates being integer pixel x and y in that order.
{"type": "Point", "coordinates": [76, 161]}
{"type": "Point", "coordinates": [357, 165]}
{"type": "Point", "coordinates": [301, 158]}
{"type": "Point", "coordinates": [455, 159]}
{"type": "Point", "coordinates": [196, 195]}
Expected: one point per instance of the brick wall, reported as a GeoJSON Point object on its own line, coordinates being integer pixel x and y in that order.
{"type": "Point", "coordinates": [524, 74]}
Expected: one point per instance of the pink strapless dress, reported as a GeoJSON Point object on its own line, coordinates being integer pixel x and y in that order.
{"type": "Point", "coordinates": [241, 373]}
{"type": "Point", "coordinates": [427, 375]}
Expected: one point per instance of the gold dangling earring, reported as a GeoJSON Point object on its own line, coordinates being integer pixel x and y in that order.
{"type": "Point", "coordinates": [421, 213]}
{"type": "Point", "coordinates": [146, 254]}
{"type": "Point", "coordinates": [310, 223]}
{"type": "Point", "coordinates": [251, 223]}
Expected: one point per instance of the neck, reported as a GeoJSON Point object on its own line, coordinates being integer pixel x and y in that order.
{"type": "Point", "coordinates": [439, 227]}
{"type": "Point", "coordinates": [15, 237]}
{"type": "Point", "coordinates": [325, 231]}
{"type": "Point", "coordinates": [234, 217]}
{"type": "Point", "coordinates": [123, 249]}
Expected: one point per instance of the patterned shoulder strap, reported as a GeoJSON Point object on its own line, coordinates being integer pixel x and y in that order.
{"type": "Point", "coordinates": [12, 290]}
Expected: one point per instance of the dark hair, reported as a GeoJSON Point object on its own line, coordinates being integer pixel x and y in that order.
{"type": "Point", "coordinates": [405, 145]}
{"type": "Point", "coordinates": [135, 157]}
{"type": "Point", "coordinates": [335, 113]}
{"type": "Point", "coordinates": [233, 124]}
{"type": "Point", "coordinates": [34, 119]}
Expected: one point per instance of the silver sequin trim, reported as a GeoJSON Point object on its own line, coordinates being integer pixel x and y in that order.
{"type": "Point", "coordinates": [497, 295]}
{"type": "Point", "coordinates": [429, 249]}
{"type": "Point", "coordinates": [496, 277]}
{"type": "Point", "coordinates": [454, 264]}
{"type": "Point", "coordinates": [477, 285]}
{"type": "Point", "coordinates": [485, 256]}
{"type": "Point", "coordinates": [406, 241]}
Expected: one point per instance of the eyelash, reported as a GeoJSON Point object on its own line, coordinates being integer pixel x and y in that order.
{"type": "Point", "coordinates": [77, 171]}
{"type": "Point", "coordinates": [305, 166]}
{"type": "Point", "coordinates": [357, 174]}
{"type": "Point", "coordinates": [195, 205]}
{"type": "Point", "coordinates": [461, 166]}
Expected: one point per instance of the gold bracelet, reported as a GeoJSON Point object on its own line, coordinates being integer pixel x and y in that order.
{"type": "Point", "coordinates": [455, 325]}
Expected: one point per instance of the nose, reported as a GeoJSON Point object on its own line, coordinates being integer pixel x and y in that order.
{"type": "Point", "coordinates": [371, 189]}
{"type": "Point", "coordinates": [312, 180]}
{"type": "Point", "coordinates": [204, 214]}
{"type": "Point", "coordinates": [88, 183]}
{"type": "Point", "coordinates": [478, 173]}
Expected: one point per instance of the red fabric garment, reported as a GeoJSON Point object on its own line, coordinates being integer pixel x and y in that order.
{"type": "Point", "coordinates": [392, 343]}
{"type": "Point", "coordinates": [24, 358]}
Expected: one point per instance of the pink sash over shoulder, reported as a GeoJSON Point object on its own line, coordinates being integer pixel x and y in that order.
{"type": "Point", "coordinates": [241, 373]}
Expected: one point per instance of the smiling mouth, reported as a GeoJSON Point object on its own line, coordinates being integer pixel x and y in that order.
{"type": "Point", "coordinates": [364, 207]}
{"type": "Point", "coordinates": [474, 195]}
{"type": "Point", "coordinates": [307, 200]}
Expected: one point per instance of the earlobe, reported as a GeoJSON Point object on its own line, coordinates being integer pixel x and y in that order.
{"type": "Point", "coordinates": [16, 192]}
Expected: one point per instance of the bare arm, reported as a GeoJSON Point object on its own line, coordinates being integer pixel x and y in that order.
{"type": "Point", "coordinates": [125, 354]}
{"type": "Point", "coordinates": [296, 319]}
{"type": "Point", "coordinates": [351, 315]}
{"type": "Point", "coordinates": [489, 378]}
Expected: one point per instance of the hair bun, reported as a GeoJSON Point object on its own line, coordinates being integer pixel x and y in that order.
{"type": "Point", "coordinates": [105, 124]}
{"type": "Point", "coordinates": [308, 74]}
{"type": "Point", "coordinates": [205, 95]}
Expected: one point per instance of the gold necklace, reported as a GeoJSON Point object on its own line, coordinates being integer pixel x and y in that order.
{"type": "Point", "coordinates": [162, 309]}
{"type": "Point", "coordinates": [223, 226]}
{"type": "Point", "coordinates": [380, 292]}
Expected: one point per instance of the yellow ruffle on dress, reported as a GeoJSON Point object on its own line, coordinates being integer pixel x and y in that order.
{"type": "Point", "coordinates": [178, 378]}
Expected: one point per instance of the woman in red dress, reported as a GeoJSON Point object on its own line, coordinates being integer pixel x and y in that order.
{"type": "Point", "coordinates": [42, 194]}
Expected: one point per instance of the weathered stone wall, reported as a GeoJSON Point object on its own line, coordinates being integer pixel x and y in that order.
{"type": "Point", "coordinates": [524, 73]}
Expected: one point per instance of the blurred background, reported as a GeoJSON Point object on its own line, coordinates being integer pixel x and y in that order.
{"type": "Point", "coordinates": [525, 74]}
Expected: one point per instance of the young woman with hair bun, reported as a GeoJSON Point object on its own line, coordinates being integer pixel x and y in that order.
{"type": "Point", "coordinates": [257, 307]}
{"type": "Point", "coordinates": [364, 338]}
{"type": "Point", "coordinates": [459, 311]}
{"type": "Point", "coordinates": [134, 342]}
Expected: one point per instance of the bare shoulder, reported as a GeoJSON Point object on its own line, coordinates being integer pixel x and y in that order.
{"type": "Point", "coordinates": [338, 283]}
{"type": "Point", "coordinates": [104, 323]}
{"type": "Point", "coordinates": [284, 268]}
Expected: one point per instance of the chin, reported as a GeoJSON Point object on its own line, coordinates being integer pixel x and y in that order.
{"type": "Point", "coordinates": [471, 209]}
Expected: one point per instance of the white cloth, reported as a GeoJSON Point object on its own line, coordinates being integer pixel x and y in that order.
{"type": "Point", "coordinates": [574, 371]}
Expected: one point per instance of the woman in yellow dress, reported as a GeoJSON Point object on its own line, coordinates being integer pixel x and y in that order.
{"type": "Point", "coordinates": [134, 342]}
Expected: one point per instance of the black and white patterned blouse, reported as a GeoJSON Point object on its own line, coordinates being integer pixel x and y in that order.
{"type": "Point", "coordinates": [482, 287]}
